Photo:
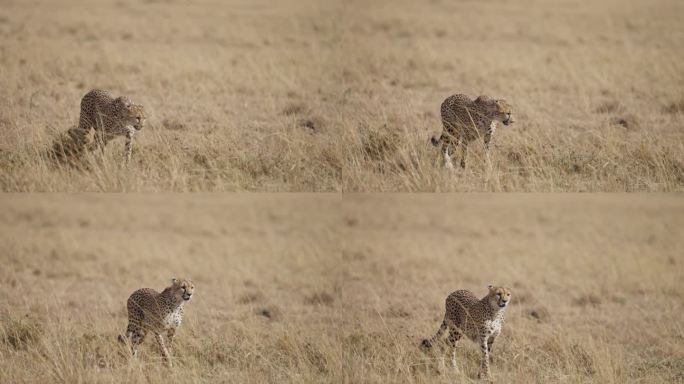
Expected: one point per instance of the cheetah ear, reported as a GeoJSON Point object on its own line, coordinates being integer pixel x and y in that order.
{"type": "Point", "coordinates": [491, 287]}
{"type": "Point", "coordinates": [174, 281]}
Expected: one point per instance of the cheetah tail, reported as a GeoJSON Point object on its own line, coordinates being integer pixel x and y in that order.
{"type": "Point", "coordinates": [427, 343]}
{"type": "Point", "coordinates": [436, 140]}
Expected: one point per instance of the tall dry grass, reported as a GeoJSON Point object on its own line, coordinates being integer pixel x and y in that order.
{"type": "Point", "coordinates": [318, 288]}
{"type": "Point", "coordinates": [233, 92]}
{"type": "Point", "coordinates": [343, 96]}
{"type": "Point", "coordinates": [595, 283]}
{"type": "Point", "coordinates": [262, 310]}
{"type": "Point", "coordinates": [597, 89]}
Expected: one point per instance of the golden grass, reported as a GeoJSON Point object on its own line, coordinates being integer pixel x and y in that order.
{"type": "Point", "coordinates": [218, 82]}
{"type": "Point", "coordinates": [318, 288]}
{"type": "Point", "coordinates": [261, 266]}
{"type": "Point", "coordinates": [342, 96]}
{"type": "Point", "coordinates": [595, 281]}
{"type": "Point", "coordinates": [596, 87]}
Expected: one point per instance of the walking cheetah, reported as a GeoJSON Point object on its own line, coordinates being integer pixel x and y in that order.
{"type": "Point", "coordinates": [465, 120]}
{"type": "Point", "coordinates": [480, 320]}
{"type": "Point", "coordinates": [150, 311]}
{"type": "Point", "coordinates": [110, 117]}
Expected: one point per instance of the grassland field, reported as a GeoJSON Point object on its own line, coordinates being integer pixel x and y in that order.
{"type": "Point", "coordinates": [329, 289]}
{"type": "Point", "coordinates": [342, 96]}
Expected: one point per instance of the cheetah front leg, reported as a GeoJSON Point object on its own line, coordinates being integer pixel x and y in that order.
{"type": "Point", "coordinates": [464, 153]}
{"type": "Point", "coordinates": [170, 333]}
{"type": "Point", "coordinates": [490, 342]}
{"type": "Point", "coordinates": [487, 139]}
{"type": "Point", "coordinates": [162, 347]}
{"type": "Point", "coordinates": [128, 147]}
{"type": "Point", "coordinates": [484, 369]}
{"type": "Point", "coordinates": [488, 135]}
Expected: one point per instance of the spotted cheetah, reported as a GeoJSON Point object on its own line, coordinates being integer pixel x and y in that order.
{"type": "Point", "coordinates": [150, 311]}
{"type": "Point", "coordinates": [110, 117]}
{"type": "Point", "coordinates": [465, 120]}
{"type": "Point", "coordinates": [481, 320]}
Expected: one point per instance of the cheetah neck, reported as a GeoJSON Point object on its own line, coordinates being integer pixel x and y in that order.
{"type": "Point", "coordinates": [493, 312]}
{"type": "Point", "coordinates": [168, 299]}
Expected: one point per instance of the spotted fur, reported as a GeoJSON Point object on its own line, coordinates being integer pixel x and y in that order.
{"type": "Point", "coordinates": [481, 320]}
{"type": "Point", "coordinates": [465, 120]}
{"type": "Point", "coordinates": [110, 117]}
{"type": "Point", "coordinates": [159, 313]}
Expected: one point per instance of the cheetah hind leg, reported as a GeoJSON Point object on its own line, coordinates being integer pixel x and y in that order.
{"type": "Point", "coordinates": [134, 337]}
{"type": "Point", "coordinates": [427, 344]}
{"type": "Point", "coordinates": [490, 343]}
{"type": "Point", "coordinates": [464, 153]}
{"type": "Point", "coordinates": [446, 144]}
{"type": "Point", "coordinates": [447, 159]}
{"type": "Point", "coordinates": [452, 340]}
{"type": "Point", "coordinates": [128, 342]}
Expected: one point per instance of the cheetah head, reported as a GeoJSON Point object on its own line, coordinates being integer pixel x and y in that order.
{"type": "Point", "coordinates": [499, 296]}
{"type": "Point", "coordinates": [131, 114]}
{"type": "Point", "coordinates": [183, 289]}
{"type": "Point", "coordinates": [498, 109]}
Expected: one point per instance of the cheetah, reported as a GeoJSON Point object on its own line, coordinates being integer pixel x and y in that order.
{"type": "Point", "coordinates": [465, 120]}
{"type": "Point", "coordinates": [150, 311]}
{"type": "Point", "coordinates": [110, 117]}
{"type": "Point", "coordinates": [481, 320]}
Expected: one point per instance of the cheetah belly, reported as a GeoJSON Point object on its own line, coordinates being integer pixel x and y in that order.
{"type": "Point", "coordinates": [493, 327]}
{"type": "Point", "coordinates": [173, 319]}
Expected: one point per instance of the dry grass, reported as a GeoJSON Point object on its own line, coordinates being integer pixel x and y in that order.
{"type": "Point", "coordinates": [318, 288]}
{"type": "Point", "coordinates": [596, 286]}
{"type": "Point", "coordinates": [597, 88]}
{"type": "Point", "coordinates": [69, 264]}
{"type": "Point", "coordinates": [329, 96]}
{"type": "Point", "coordinates": [218, 83]}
